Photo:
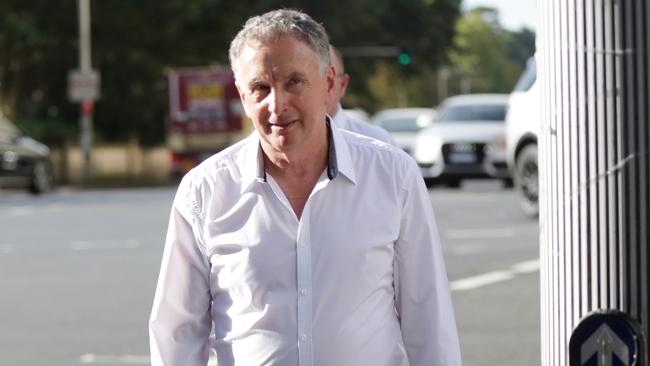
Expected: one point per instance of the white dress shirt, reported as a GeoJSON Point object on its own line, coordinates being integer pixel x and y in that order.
{"type": "Point", "coordinates": [361, 269]}
{"type": "Point", "coordinates": [347, 122]}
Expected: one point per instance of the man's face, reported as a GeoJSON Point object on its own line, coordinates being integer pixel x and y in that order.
{"type": "Point", "coordinates": [284, 92]}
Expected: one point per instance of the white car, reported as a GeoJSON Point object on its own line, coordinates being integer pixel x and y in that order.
{"type": "Point", "coordinates": [465, 140]}
{"type": "Point", "coordinates": [404, 124]}
{"type": "Point", "coordinates": [522, 129]}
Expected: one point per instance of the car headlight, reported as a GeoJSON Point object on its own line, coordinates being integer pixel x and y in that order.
{"type": "Point", "coordinates": [426, 149]}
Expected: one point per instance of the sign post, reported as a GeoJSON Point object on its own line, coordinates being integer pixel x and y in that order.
{"type": "Point", "coordinates": [83, 87]}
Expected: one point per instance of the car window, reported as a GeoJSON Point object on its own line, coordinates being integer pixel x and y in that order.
{"type": "Point", "coordinates": [402, 124]}
{"type": "Point", "coordinates": [484, 112]}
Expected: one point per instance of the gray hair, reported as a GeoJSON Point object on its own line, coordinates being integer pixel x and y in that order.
{"type": "Point", "coordinates": [277, 24]}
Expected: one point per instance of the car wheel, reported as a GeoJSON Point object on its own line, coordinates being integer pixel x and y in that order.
{"type": "Point", "coordinates": [41, 178]}
{"type": "Point", "coordinates": [527, 180]}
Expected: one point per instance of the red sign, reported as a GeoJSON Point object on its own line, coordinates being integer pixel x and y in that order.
{"type": "Point", "coordinates": [203, 101]}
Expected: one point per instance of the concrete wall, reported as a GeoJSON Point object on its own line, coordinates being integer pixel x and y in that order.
{"type": "Point", "coordinates": [113, 164]}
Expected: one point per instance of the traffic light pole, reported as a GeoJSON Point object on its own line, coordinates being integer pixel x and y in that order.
{"type": "Point", "coordinates": [593, 59]}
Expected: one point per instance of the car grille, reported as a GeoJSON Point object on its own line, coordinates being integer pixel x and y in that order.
{"type": "Point", "coordinates": [463, 153]}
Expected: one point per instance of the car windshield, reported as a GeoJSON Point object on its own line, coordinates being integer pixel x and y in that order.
{"type": "Point", "coordinates": [400, 124]}
{"type": "Point", "coordinates": [477, 112]}
{"type": "Point", "coordinates": [527, 77]}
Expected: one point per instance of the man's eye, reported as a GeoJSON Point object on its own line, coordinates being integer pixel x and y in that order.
{"type": "Point", "coordinates": [293, 83]}
{"type": "Point", "coordinates": [259, 90]}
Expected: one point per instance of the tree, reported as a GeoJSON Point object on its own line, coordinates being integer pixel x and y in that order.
{"type": "Point", "coordinates": [486, 57]}
{"type": "Point", "coordinates": [134, 42]}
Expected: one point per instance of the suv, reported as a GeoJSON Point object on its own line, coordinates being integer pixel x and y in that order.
{"type": "Point", "coordinates": [465, 140]}
{"type": "Point", "coordinates": [522, 129]}
{"type": "Point", "coordinates": [24, 162]}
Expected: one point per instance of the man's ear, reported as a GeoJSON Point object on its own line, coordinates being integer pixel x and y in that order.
{"type": "Point", "coordinates": [330, 79]}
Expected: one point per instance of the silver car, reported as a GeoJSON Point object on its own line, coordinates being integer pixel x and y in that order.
{"type": "Point", "coordinates": [465, 140]}
{"type": "Point", "coordinates": [404, 124]}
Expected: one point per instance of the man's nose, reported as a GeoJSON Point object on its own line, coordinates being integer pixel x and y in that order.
{"type": "Point", "coordinates": [277, 102]}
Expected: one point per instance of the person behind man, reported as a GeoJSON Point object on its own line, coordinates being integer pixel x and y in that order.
{"type": "Point", "coordinates": [302, 244]}
{"type": "Point", "coordinates": [342, 119]}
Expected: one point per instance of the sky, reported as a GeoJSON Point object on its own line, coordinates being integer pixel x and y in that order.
{"type": "Point", "coordinates": [513, 14]}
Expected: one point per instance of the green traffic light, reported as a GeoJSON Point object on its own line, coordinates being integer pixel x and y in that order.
{"type": "Point", "coordinates": [404, 59]}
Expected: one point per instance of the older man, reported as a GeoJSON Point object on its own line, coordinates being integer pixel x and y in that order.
{"type": "Point", "coordinates": [302, 244]}
{"type": "Point", "coordinates": [340, 118]}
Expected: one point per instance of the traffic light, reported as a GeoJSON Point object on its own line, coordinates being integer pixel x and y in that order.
{"type": "Point", "coordinates": [404, 57]}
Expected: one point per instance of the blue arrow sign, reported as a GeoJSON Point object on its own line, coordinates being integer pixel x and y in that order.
{"type": "Point", "coordinates": [605, 343]}
{"type": "Point", "coordinates": [605, 338]}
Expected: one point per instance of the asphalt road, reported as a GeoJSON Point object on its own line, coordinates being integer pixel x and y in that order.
{"type": "Point", "coordinates": [78, 272]}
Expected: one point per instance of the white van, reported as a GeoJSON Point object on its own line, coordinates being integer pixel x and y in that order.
{"type": "Point", "coordinates": [522, 129]}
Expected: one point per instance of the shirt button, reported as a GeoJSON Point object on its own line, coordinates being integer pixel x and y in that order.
{"type": "Point", "coordinates": [304, 292]}
{"type": "Point", "coordinates": [303, 338]}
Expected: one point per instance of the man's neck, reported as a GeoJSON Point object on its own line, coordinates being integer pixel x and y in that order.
{"type": "Point", "coordinates": [297, 172]}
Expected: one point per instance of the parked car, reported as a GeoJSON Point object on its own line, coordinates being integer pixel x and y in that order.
{"type": "Point", "coordinates": [522, 129]}
{"type": "Point", "coordinates": [404, 124]}
{"type": "Point", "coordinates": [24, 162]}
{"type": "Point", "coordinates": [465, 140]}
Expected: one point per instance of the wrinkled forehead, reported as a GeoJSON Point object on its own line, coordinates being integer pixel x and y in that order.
{"type": "Point", "coordinates": [276, 61]}
{"type": "Point", "coordinates": [252, 47]}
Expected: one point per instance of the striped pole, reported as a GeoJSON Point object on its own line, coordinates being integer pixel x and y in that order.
{"type": "Point", "coordinates": [594, 71]}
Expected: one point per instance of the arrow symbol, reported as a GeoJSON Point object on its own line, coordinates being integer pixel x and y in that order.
{"type": "Point", "coordinates": [605, 343]}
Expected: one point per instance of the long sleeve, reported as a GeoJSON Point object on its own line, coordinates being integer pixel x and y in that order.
{"type": "Point", "coordinates": [423, 299]}
{"type": "Point", "coordinates": [180, 323]}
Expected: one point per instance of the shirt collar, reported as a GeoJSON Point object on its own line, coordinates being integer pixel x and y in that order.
{"type": "Point", "coordinates": [251, 162]}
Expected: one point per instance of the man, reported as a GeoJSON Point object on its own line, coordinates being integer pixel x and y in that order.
{"type": "Point", "coordinates": [344, 120]}
{"type": "Point", "coordinates": [302, 244]}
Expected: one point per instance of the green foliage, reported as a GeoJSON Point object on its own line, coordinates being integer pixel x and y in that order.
{"type": "Point", "coordinates": [486, 57]}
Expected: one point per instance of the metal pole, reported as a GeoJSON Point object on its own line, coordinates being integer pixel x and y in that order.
{"type": "Point", "coordinates": [86, 108]}
{"type": "Point", "coordinates": [593, 59]}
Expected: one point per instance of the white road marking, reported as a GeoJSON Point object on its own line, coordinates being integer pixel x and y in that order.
{"type": "Point", "coordinates": [90, 358]}
{"type": "Point", "coordinates": [82, 245]}
{"type": "Point", "coordinates": [526, 267]}
{"type": "Point", "coordinates": [493, 277]}
{"type": "Point", "coordinates": [480, 233]}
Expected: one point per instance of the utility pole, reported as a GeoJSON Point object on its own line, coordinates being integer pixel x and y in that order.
{"type": "Point", "coordinates": [594, 166]}
{"type": "Point", "coordinates": [87, 104]}
{"type": "Point", "coordinates": [83, 87]}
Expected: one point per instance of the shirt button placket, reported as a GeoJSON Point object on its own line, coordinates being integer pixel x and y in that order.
{"type": "Point", "coordinates": [304, 286]}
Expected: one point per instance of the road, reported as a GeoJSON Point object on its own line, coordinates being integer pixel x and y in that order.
{"type": "Point", "coordinates": [78, 271]}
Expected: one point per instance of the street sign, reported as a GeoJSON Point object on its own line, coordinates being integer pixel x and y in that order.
{"type": "Point", "coordinates": [605, 338]}
{"type": "Point", "coordinates": [83, 85]}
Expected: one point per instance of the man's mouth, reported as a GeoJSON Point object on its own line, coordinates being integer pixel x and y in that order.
{"type": "Point", "coordinates": [281, 125]}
